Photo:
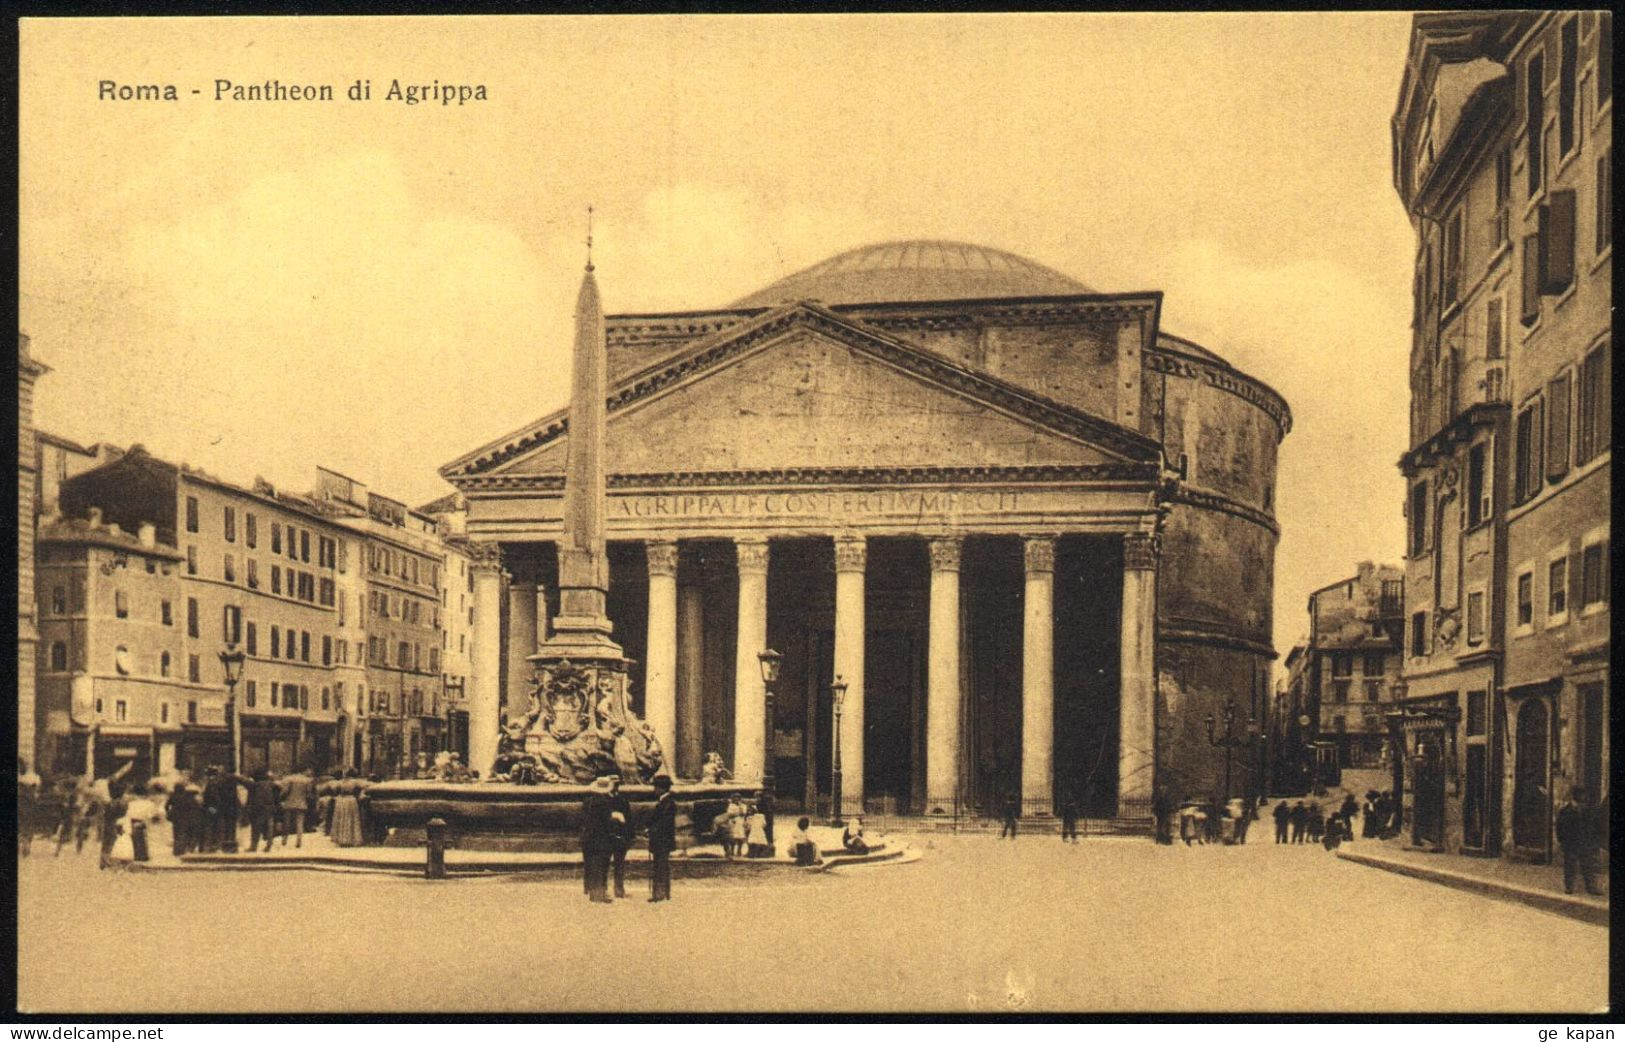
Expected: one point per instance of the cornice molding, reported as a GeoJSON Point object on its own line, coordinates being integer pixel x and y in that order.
{"type": "Point", "coordinates": [1112, 473]}
{"type": "Point", "coordinates": [1187, 631]}
{"type": "Point", "coordinates": [1213, 501]}
{"type": "Point", "coordinates": [1458, 431]}
{"type": "Point", "coordinates": [1249, 389]}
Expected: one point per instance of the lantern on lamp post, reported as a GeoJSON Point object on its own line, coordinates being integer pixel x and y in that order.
{"type": "Point", "coordinates": [770, 661]}
{"type": "Point", "coordinates": [231, 660]}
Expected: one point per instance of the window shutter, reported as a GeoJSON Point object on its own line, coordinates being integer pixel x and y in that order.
{"type": "Point", "coordinates": [1537, 447]}
{"type": "Point", "coordinates": [1557, 430]}
{"type": "Point", "coordinates": [1557, 242]}
{"type": "Point", "coordinates": [1605, 211]}
{"type": "Point", "coordinates": [1492, 329]}
{"type": "Point", "coordinates": [1531, 280]}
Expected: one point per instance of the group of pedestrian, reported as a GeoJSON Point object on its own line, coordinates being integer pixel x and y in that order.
{"type": "Point", "coordinates": [177, 810]}
{"type": "Point", "coordinates": [608, 830]}
{"type": "Point", "coordinates": [746, 828]}
{"type": "Point", "coordinates": [1379, 815]}
{"type": "Point", "coordinates": [1303, 821]}
{"type": "Point", "coordinates": [1208, 821]}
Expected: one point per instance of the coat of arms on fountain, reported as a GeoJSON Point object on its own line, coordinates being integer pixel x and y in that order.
{"type": "Point", "coordinates": [579, 727]}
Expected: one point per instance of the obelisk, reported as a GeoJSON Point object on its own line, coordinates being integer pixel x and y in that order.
{"type": "Point", "coordinates": [582, 628]}
{"type": "Point", "coordinates": [582, 725]}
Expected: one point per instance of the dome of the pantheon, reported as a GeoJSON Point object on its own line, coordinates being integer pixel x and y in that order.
{"type": "Point", "coordinates": [913, 271]}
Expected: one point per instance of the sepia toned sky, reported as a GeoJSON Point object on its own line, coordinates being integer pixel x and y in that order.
{"type": "Point", "coordinates": [260, 287]}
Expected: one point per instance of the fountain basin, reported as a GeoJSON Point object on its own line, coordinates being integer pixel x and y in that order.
{"type": "Point", "coordinates": [545, 817]}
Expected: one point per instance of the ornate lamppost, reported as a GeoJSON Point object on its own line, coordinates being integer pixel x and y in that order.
{"type": "Point", "coordinates": [1231, 741]}
{"type": "Point", "coordinates": [837, 692]}
{"type": "Point", "coordinates": [771, 661]}
{"type": "Point", "coordinates": [231, 659]}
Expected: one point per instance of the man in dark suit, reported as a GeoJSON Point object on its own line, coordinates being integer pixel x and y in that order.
{"type": "Point", "coordinates": [183, 811]}
{"type": "Point", "coordinates": [220, 806]}
{"type": "Point", "coordinates": [662, 838]}
{"type": "Point", "coordinates": [1577, 834]}
{"type": "Point", "coordinates": [1012, 810]}
{"type": "Point", "coordinates": [620, 813]}
{"type": "Point", "coordinates": [597, 840]}
{"type": "Point", "coordinates": [1283, 815]}
{"type": "Point", "coordinates": [264, 808]}
{"type": "Point", "coordinates": [1300, 821]}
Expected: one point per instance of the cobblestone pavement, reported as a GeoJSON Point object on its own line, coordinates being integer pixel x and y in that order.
{"type": "Point", "coordinates": [976, 925]}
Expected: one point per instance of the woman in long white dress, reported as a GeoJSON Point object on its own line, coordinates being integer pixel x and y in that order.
{"type": "Point", "coordinates": [141, 813]}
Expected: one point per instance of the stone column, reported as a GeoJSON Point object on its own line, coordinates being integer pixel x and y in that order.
{"type": "Point", "coordinates": [750, 706]}
{"type": "Point", "coordinates": [690, 666]}
{"type": "Point", "coordinates": [484, 682]}
{"type": "Point", "coordinates": [942, 740]}
{"type": "Point", "coordinates": [523, 639]}
{"type": "Point", "coordinates": [660, 668]}
{"type": "Point", "coordinates": [541, 615]}
{"type": "Point", "coordinates": [1038, 678]}
{"type": "Point", "coordinates": [851, 560]}
{"type": "Point", "coordinates": [1137, 726]}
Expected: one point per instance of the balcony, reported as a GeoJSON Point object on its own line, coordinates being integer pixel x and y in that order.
{"type": "Point", "coordinates": [1391, 603]}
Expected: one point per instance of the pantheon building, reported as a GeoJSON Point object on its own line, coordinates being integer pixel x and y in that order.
{"type": "Point", "coordinates": [1031, 532]}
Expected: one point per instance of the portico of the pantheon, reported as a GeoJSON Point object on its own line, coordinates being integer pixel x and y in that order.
{"type": "Point", "coordinates": [1032, 533]}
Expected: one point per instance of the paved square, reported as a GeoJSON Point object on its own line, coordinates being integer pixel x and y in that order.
{"type": "Point", "coordinates": [976, 925]}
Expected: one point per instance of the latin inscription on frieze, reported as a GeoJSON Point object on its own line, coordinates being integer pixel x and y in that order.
{"type": "Point", "coordinates": [814, 503]}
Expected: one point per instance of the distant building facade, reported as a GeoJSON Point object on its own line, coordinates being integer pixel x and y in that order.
{"type": "Point", "coordinates": [221, 566]}
{"type": "Point", "coordinates": [456, 614]}
{"type": "Point", "coordinates": [56, 460]}
{"type": "Point", "coordinates": [29, 370]}
{"type": "Point", "coordinates": [1502, 156]}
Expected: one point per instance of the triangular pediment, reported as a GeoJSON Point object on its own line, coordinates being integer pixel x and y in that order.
{"type": "Point", "coordinates": [801, 387]}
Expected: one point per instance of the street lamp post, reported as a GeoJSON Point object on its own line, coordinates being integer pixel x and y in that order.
{"type": "Point", "coordinates": [231, 659]}
{"type": "Point", "coordinates": [1230, 740]}
{"type": "Point", "coordinates": [837, 692]}
{"type": "Point", "coordinates": [770, 660]}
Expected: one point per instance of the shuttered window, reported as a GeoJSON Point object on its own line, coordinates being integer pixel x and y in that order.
{"type": "Point", "coordinates": [1528, 450]}
{"type": "Point", "coordinates": [1530, 312]}
{"type": "Point", "coordinates": [1567, 97]}
{"type": "Point", "coordinates": [1605, 203]}
{"type": "Point", "coordinates": [1557, 427]}
{"type": "Point", "coordinates": [1534, 120]}
{"type": "Point", "coordinates": [1557, 242]}
{"type": "Point", "coordinates": [1452, 258]}
{"type": "Point", "coordinates": [1593, 418]}
{"type": "Point", "coordinates": [1493, 331]}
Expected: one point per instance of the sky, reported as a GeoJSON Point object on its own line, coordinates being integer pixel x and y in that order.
{"type": "Point", "coordinates": [258, 288]}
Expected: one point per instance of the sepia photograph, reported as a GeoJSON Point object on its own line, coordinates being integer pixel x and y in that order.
{"type": "Point", "coordinates": [815, 515]}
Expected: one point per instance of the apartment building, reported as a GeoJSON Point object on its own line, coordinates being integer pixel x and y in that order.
{"type": "Point", "coordinates": [1502, 157]}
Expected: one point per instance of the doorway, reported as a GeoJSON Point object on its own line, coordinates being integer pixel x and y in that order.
{"type": "Point", "coordinates": [1531, 798]}
{"type": "Point", "coordinates": [1428, 827]}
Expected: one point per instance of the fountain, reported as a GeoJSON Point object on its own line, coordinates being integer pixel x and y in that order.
{"type": "Point", "coordinates": [579, 724]}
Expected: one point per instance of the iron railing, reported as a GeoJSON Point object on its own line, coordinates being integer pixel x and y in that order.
{"type": "Point", "coordinates": [957, 814]}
